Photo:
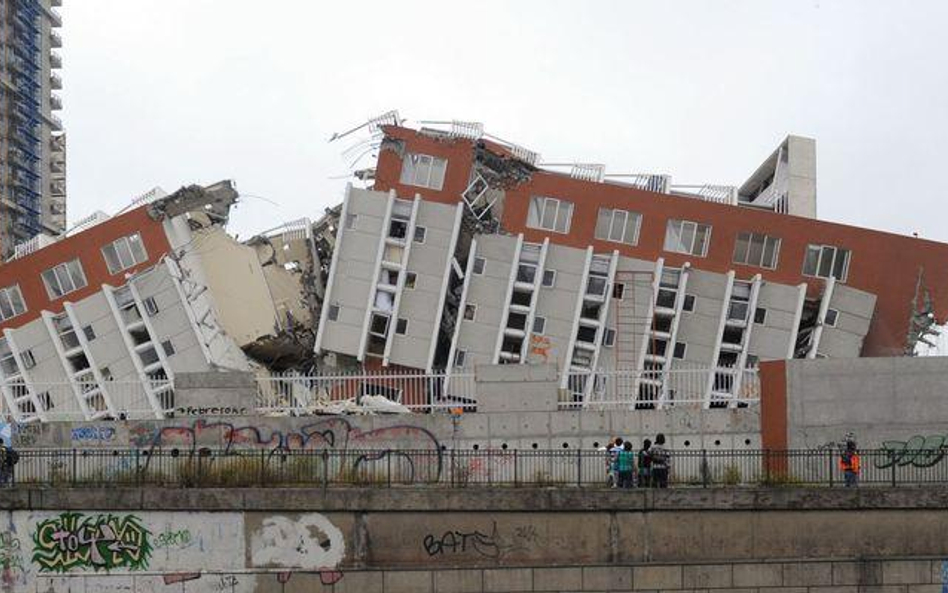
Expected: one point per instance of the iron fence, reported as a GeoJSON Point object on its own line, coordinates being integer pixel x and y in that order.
{"type": "Point", "coordinates": [203, 467]}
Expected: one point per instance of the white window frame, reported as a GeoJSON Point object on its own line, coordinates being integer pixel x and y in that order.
{"type": "Point", "coordinates": [835, 316]}
{"type": "Point", "coordinates": [473, 307]}
{"type": "Point", "coordinates": [539, 325]}
{"type": "Point", "coordinates": [124, 253]}
{"type": "Point", "coordinates": [68, 277]}
{"type": "Point", "coordinates": [819, 261]}
{"type": "Point", "coordinates": [333, 313]}
{"type": "Point", "coordinates": [460, 357]}
{"type": "Point", "coordinates": [479, 262]}
{"type": "Point", "coordinates": [684, 303]}
{"type": "Point", "coordinates": [423, 231]}
{"type": "Point", "coordinates": [675, 243]}
{"type": "Point", "coordinates": [548, 214]}
{"type": "Point", "coordinates": [609, 337]}
{"type": "Point", "coordinates": [608, 232]}
{"type": "Point", "coordinates": [763, 240]}
{"type": "Point", "coordinates": [12, 297]}
{"type": "Point", "coordinates": [552, 281]}
{"type": "Point", "coordinates": [398, 324]}
{"type": "Point", "coordinates": [420, 170]}
{"type": "Point", "coordinates": [763, 320]}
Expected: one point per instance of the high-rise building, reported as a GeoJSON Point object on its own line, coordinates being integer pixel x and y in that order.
{"type": "Point", "coordinates": [32, 142]}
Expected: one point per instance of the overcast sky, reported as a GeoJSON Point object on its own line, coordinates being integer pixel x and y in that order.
{"type": "Point", "coordinates": [171, 92]}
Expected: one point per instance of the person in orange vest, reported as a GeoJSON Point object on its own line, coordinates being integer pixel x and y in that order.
{"type": "Point", "coordinates": [849, 464]}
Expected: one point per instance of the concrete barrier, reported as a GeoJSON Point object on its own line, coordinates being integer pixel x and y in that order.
{"type": "Point", "coordinates": [261, 540]}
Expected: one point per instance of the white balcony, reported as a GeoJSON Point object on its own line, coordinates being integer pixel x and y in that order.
{"type": "Point", "coordinates": [55, 82]}
{"type": "Point", "coordinates": [55, 60]}
{"type": "Point", "coordinates": [55, 40]}
{"type": "Point", "coordinates": [55, 102]}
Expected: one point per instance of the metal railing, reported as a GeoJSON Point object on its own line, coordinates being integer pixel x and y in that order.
{"type": "Point", "coordinates": [350, 391]}
{"type": "Point", "coordinates": [686, 385]}
{"type": "Point", "coordinates": [203, 467]}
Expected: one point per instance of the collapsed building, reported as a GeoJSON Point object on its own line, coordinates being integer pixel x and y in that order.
{"type": "Point", "coordinates": [468, 250]}
{"type": "Point", "coordinates": [156, 290]}
{"type": "Point", "coordinates": [464, 250]}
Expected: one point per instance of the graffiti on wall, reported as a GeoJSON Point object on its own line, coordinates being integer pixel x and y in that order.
{"type": "Point", "coordinates": [93, 434]}
{"type": "Point", "coordinates": [11, 559]}
{"type": "Point", "coordinates": [102, 542]}
{"type": "Point", "coordinates": [174, 538]}
{"type": "Point", "coordinates": [335, 434]}
{"type": "Point", "coordinates": [489, 544]}
{"type": "Point", "coordinates": [918, 451]}
{"type": "Point", "coordinates": [310, 542]}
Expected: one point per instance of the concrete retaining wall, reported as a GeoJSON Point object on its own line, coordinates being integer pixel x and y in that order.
{"type": "Point", "coordinates": [686, 429]}
{"type": "Point", "coordinates": [879, 399]}
{"type": "Point", "coordinates": [365, 540]}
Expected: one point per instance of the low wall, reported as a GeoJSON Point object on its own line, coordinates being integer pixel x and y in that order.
{"type": "Point", "coordinates": [262, 540]}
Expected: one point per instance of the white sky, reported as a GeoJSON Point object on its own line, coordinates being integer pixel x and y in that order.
{"type": "Point", "coordinates": [171, 92]}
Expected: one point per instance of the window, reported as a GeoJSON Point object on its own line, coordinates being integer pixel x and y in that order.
{"type": "Point", "coordinates": [549, 278]}
{"type": "Point", "coordinates": [619, 226]}
{"type": "Point", "coordinates": [618, 291]}
{"type": "Point", "coordinates": [124, 253]}
{"type": "Point", "coordinates": [333, 313]}
{"type": "Point", "coordinates": [680, 349]}
{"type": "Point", "coordinates": [423, 170]}
{"type": "Point", "coordinates": [689, 303]}
{"type": "Point", "coordinates": [350, 221]}
{"type": "Point", "coordinates": [420, 234]}
{"type": "Point", "coordinates": [470, 312]}
{"type": "Point", "coordinates": [752, 361]}
{"type": "Point", "coordinates": [89, 332]}
{"type": "Point", "coordinates": [401, 326]}
{"type": "Point", "coordinates": [66, 332]}
{"type": "Point", "coordinates": [609, 338]}
{"type": "Point", "coordinates": [832, 316]}
{"type": "Point", "coordinates": [11, 302]}
{"type": "Point", "coordinates": [539, 325]}
{"type": "Point", "coordinates": [410, 279]}
{"type": "Point", "coordinates": [760, 315]}
{"type": "Point", "coordinates": [756, 250]}
{"type": "Point", "coordinates": [379, 325]}
{"type": "Point", "coordinates": [64, 278]}
{"type": "Point", "coordinates": [549, 214]}
{"type": "Point", "coordinates": [479, 263]}
{"type": "Point", "coordinates": [168, 347]}
{"type": "Point", "coordinates": [825, 261]}
{"type": "Point", "coordinates": [151, 307]}
{"type": "Point", "coordinates": [684, 236]}
{"type": "Point", "coordinates": [29, 361]}
{"type": "Point", "coordinates": [459, 357]}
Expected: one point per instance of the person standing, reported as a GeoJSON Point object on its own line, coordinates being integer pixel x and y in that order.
{"type": "Point", "coordinates": [661, 462]}
{"type": "Point", "coordinates": [625, 463]}
{"type": "Point", "coordinates": [644, 463]}
{"type": "Point", "coordinates": [6, 468]}
{"type": "Point", "coordinates": [614, 461]}
{"type": "Point", "coordinates": [849, 464]}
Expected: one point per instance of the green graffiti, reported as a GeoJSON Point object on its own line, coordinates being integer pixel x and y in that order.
{"type": "Point", "coordinates": [75, 541]}
{"type": "Point", "coordinates": [919, 451]}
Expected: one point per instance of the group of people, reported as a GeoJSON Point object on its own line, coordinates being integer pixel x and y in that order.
{"type": "Point", "coordinates": [646, 468]}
